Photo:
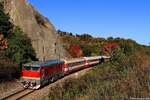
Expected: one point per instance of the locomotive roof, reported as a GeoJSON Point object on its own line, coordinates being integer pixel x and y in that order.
{"type": "Point", "coordinates": [44, 63]}
{"type": "Point", "coordinates": [97, 57]}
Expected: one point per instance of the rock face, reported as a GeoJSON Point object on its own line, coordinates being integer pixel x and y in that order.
{"type": "Point", "coordinates": [42, 33]}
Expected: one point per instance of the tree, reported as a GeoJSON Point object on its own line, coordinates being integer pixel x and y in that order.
{"type": "Point", "coordinates": [5, 25]}
{"type": "Point", "coordinates": [20, 48]}
{"type": "Point", "coordinates": [70, 34]}
{"type": "Point", "coordinates": [110, 38]}
{"type": "Point", "coordinates": [110, 47]}
{"type": "Point", "coordinates": [77, 35]}
{"type": "Point", "coordinates": [5, 28]}
{"type": "Point", "coordinates": [85, 36]}
{"type": "Point", "coordinates": [75, 51]}
{"type": "Point", "coordinates": [87, 50]}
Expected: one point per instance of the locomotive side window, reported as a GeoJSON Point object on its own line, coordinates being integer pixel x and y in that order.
{"type": "Point", "coordinates": [35, 69]}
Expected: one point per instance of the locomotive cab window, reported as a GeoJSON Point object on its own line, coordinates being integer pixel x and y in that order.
{"type": "Point", "coordinates": [28, 68]}
{"type": "Point", "coordinates": [35, 69]}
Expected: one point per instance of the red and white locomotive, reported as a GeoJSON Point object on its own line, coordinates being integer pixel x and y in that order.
{"type": "Point", "coordinates": [40, 73]}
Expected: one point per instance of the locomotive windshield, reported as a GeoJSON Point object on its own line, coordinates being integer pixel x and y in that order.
{"type": "Point", "coordinates": [31, 68]}
{"type": "Point", "coordinates": [28, 68]}
{"type": "Point", "coordinates": [35, 69]}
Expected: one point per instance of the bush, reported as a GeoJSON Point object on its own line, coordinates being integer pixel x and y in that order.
{"type": "Point", "coordinates": [8, 70]}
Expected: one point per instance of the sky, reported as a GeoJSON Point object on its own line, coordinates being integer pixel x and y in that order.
{"type": "Point", "coordinates": [128, 19]}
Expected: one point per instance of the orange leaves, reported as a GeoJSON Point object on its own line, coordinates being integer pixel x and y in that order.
{"type": "Point", "coordinates": [110, 47]}
{"type": "Point", "coordinates": [75, 51]}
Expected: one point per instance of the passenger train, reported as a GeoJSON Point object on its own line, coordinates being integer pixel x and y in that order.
{"type": "Point", "coordinates": [40, 73]}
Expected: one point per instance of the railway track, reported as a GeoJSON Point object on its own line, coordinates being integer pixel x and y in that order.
{"type": "Point", "coordinates": [26, 93]}
{"type": "Point", "coordinates": [18, 95]}
{"type": "Point", "coordinates": [43, 92]}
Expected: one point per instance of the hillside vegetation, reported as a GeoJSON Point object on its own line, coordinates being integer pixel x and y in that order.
{"type": "Point", "coordinates": [126, 76]}
{"type": "Point", "coordinates": [15, 48]}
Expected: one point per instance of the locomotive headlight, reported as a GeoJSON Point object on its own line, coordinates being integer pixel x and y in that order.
{"type": "Point", "coordinates": [24, 82]}
{"type": "Point", "coordinates": [33, 84]}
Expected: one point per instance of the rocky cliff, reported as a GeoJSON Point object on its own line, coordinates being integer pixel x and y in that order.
{"type": "Point", "coordinates": [42, 33]}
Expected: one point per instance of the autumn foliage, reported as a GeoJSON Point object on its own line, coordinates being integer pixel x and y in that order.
{"type": "Point", "coordinates": [3, 42]}
{"type": "Point", "coordinates": [75, 51]}
{"type": "Point", "coordinates": [110, 47]}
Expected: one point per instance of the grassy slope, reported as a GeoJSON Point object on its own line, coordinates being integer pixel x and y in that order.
{"type": "Point", "coordinates": [107, 81]}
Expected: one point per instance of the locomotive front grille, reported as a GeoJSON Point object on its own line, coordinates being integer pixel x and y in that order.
{"type": "Point", "coordinates": [30, 82]}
